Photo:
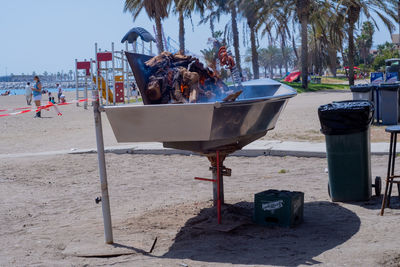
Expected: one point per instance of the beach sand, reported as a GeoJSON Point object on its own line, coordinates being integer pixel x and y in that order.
{"type": "Point", "coordinates": [75, 129]}
{"type": "Point", "coordinates": [47, 206]}
{"type": "Point", "coordinates": [47, 202]}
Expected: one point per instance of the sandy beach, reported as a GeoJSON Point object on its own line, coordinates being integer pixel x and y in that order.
{"type": "Point", "coordinates": [75, 129]}
{"type": "Point", "coordinates": [48, 202]}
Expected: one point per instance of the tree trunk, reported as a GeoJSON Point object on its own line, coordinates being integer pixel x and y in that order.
{"type": "Point", "coordinates": [283, 47]}
{"type": "Point", "coordinates": [254, 54]}
{"type": "Point", "coordinates": [181, 32]}
{"type": "Point", "coordinates": [398, 17]}
{"type": "Point", "coordinates": [295, 49]}
{"type": "Point", "coordinates": [365, 59]}
{"type": "Point", "coordinates": [304, 51]}
{"type": "Point", "coordinates": [235, 38]}
{"type": "Point", "coordinates": [350, 56]}
{"type": "Point", "coordinates": [332, 60]}
{"type": "Point", "coordinates": [159, 38]}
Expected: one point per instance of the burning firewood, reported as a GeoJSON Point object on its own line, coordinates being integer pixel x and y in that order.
{"type": "Point", "coordinates": [232, 97]}
{"type": "Point", "coordinates": [153, 90]}
{"type": "Point", "coordinates": [178, 78]}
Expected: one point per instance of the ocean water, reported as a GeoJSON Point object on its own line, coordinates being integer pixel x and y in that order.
{"type": "Point", "coordinates": [52, 90]}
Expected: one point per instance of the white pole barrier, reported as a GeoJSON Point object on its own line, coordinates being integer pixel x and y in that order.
{"type": "Point", "coordinates": [76, 83]}
{"type": "Point", "coordinates": [151, 48]}
{"type": "Point", "coordinates": [107, 103]}
{"type": "Point", "coordinates": [85, 91]}
{"type": "Point", "coordinates": [93, 87]}
{"type": "Point", "coordinates": [126, 78]}
{"type": "Point", "coordinates": [97, 74]}
{"type": "Point", "coordinates": [105, 201]}
{"type": "Point", "coordinates": [113, 71]}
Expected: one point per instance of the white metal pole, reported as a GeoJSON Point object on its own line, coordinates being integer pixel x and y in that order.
{"type": "Point", "coordinates": [93, 87]}
{"type": "Point", "coordinates": [97, 74]}
{"type": "Point", "coordinates": [106, 78]}
{"type": "Point", "coordinates": [151, 48]}
{"type": "Point", "coordinates": [126, 69]}
{"type": "Point", "coordinates": [105, 201]}
{"type": "Point", "coordinates": [113, 71]}
{"type": "Point", "coordinates": [76, 82]}
{"type": "Point", "coordinates": [85, 90]}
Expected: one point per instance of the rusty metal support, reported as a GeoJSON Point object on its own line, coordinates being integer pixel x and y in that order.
{"type": "Point", "coordinates": [218, 172]}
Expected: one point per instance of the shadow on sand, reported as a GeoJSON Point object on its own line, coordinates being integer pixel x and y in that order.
{"type": "Point", "coordinates": [326, 225]}
{"type": "Point", "coordinates": [375, 203]}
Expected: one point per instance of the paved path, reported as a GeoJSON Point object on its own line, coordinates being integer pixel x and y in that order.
{"type": "Point", "coordinates": [257, 148]}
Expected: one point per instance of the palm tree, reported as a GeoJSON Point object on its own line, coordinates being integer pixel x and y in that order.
{"type": "Point", "coordinates": [155, 9]}
{"type": "Point", "coordinates": [250, 10]}
{"type": "Point", "coordinates": [276, 15]}
{"type": "Point", "coordinates": [270, 58]}
{"type": "Point", "coordinates": [179, 9]}
{"type": "Point", "coordinates": [398, 16]}
{"type": "Point", "coordinates": [232, 6]}
{"type": "Point", "coordinates": [185, 7]}
{"type": "Point", "coordinates": [384, 9]}
{"type": "Point", "coordinates": [216, 8]}
{"type": "Point", "coordinates": [364, 41]}
{"type": "Point", "coordinates": [302, 11]}
{"type": "Point", "coordinates": [325, 36]}
{"type": "Point", "coordinates": [210, 58]}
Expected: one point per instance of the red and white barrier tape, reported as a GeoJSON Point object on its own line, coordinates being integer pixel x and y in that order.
{"type": "Point", "coordinates": [46, 107]}
{"type": "Point", "coordinates": [14, 109]}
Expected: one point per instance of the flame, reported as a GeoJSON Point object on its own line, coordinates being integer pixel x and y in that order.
{"type": "Point", "coordinates": [202, 80]}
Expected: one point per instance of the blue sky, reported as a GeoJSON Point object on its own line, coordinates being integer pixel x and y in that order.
{"type": "Point", "coordinates": [47, 35]}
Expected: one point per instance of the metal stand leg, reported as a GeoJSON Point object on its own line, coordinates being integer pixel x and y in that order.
{"type": "Point", "coordinates": [218, 171]}
{"type": "Point", "coordinates": [392, 168]}
{"type": "Point", "coordinates": [389, 172]}
{"type": "Point", "coordinates": [219, 193]}
{"type": "Point", "coordinates": [105, 202]}
{"type": "Point", "coordinates": [218, 186]}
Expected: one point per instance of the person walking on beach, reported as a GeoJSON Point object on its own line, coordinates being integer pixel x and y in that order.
{"type": "Point", "coordinates": [134, 92]}
{"type": "Point", "coordinates": [59, 89]}
{"type": "Point", "coordinates": [37, 95]}
{"type": "Point", "coordinates": [28, 93]}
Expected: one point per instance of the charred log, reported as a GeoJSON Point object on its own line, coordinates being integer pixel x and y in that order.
{"type": "Point", "coordinates": [178, 78]}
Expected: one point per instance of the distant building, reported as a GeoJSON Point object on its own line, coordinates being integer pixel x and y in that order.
{"type": "Point", "coordinates": [396, 40]}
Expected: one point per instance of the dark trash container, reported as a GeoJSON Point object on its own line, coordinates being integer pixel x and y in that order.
{"type": "Point", "coordinates": [389, 103]}
{"type": "Point", "coordinates": [346, 128]}
{"type": "Point", "coordinates": [368, 92]}
{"type": "Point", "coordinates": [362, 92]}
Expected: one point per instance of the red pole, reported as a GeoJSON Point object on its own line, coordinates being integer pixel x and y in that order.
{"type": "Point", "coordinates": [218, 190]}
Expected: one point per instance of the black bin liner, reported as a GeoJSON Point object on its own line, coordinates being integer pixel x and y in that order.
{"type": "Point", "coordinates": [362, 88]}
{"type": "Point", "coordinates": [345, 117]}
{"type": "Point", "coordinates": [389, 86]}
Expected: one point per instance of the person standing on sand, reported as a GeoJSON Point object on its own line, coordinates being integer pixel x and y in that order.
{"type": "Point", "coordinates": [59, 89]}
{"type": "Point", "coordinates": [28, 93]}
{"type": "Point", "coordinates": [37, 95]}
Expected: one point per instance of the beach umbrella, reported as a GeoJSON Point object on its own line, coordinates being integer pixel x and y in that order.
{"type": "Point", "coordinates": [356, 68]}
{"type": "Point", "coordinates": [136, 32]}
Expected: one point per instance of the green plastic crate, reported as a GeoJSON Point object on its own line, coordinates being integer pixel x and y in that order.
{"type": "Point", "coordinates": [278, 208]}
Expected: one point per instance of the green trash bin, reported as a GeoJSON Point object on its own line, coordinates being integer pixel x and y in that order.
{"type": "Point", "coordinates": [346, 128]}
